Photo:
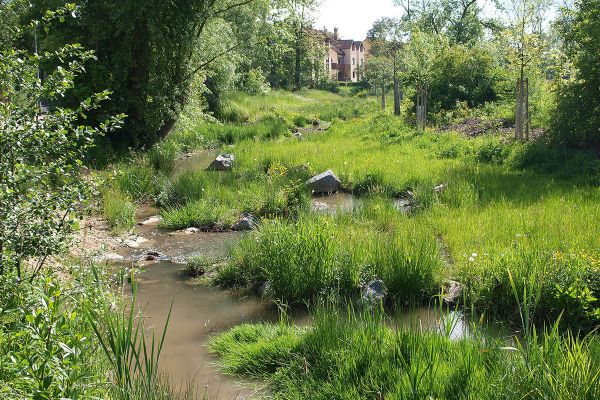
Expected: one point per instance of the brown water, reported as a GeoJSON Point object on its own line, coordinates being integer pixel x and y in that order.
{"type": "Point", "coordinates": [198, 313]}
{"type": "Point", "coordinates": [333, 203]}
{"type": "Point", "coordinates": [196, 161]}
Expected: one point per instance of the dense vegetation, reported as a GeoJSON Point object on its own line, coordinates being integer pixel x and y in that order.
{"type": "Point", "coordinates": [97, 118]}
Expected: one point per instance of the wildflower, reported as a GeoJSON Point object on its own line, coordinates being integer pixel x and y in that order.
{"type": "Point", "coordinates": [471, 259]}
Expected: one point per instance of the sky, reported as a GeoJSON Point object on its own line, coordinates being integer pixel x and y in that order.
{"type": "Point", "coordinates": [354, 17]}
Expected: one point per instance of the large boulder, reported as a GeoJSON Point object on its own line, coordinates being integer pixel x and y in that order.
{"type": "Point", "coordinates": [223, 162]}
{"type": "Point", "coordinates": [325, 182]}
{"type": "Point", "coordinates": [245, 223]}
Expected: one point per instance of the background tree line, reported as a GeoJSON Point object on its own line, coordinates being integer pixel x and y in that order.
{"type": "Point", "coordinates": [468, 60]}
{"type": "Point", "coordinates": [453, 55]}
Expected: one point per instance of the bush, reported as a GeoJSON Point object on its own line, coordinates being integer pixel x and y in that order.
{"type": "Point", "coordinates": [491, 151]}
{"type": "Point", "coordinates": [462, 74]}
{"type": "Point", "coordinates": [256, 83]}
{"type": "Point", "coordinates": [576, 120]}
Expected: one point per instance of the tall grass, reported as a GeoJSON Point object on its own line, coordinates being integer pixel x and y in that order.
{"type": "Point", "coordinates": [122, 337]}
{"type": "Point", "coordinates": [358, 355]}
{"type": "Point", "coordinates": [305, 258]}
{"type": "Point", "coordinates": [118, 209]}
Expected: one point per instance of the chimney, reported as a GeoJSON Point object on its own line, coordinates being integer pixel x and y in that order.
{"type": "Point", "coordinates": [335, 33]}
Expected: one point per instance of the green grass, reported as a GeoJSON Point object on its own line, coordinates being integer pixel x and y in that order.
{"type": "Point", "coordinates": [357, 355]}
{"type": "Point", "coordinates": [530, 209]}
{"type": "Point", "coordinates": [118, 209]}
{"type": "Point", "coordinates": [314, 255]}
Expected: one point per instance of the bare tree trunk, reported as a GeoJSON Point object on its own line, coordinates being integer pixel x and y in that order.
{"type": "Point", "coordinates": [383, 95]}
{"type": "Point", "coordinates": [421, 106]}
{"type": "Point", "coordinates": [522, 109]}
{"type": "Point", "coordinates": [526, 108]}
{"type": "Point", "coordinates": [396, 88]}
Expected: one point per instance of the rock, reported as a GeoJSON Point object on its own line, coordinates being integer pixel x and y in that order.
{"type": "Point", "coordinates": [402, 204]}
{"type": "Point", "coordinates": [191, 230]}
{"type": "Point", "coordinates": [316, 122]}
{"type": "Point", "coordinates": [245, 223]}
{"type": "Point", "coordinates": [264, 288]}
{"type": "Point", "coordinates": [223, 162]}
{"type": "Point", "coordinates": [109, 257]}
{"type": "Point", "coordinates": [152, 256]}
{"type": "Point", "coordinates": [325, 182]}
{"type": "Point", "coordinates": [374, 291]}
{"type": "Point", "coordinates": [319, 206]}
{"type": "Point", "coordinates": [134, 241]}
{"type": "Point", "coordinates": [452, 292]}
{"type": "Point", "coordinates": [440, 188]}
{"type": "Point", "coordinates": [297, 134]}
{"type": "Point", "coordinates": [153, 220]}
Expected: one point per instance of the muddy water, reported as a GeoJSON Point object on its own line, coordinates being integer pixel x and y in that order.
{"type": "Point", "coordinates": [196, 161]}
{"type": "Point", "coordinates": [198, 313]}
{"type": "Point", "coordinates": [333, 203]}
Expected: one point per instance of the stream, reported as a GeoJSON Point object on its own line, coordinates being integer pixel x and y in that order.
{"type": "Point", "coordinates": [201, 311]}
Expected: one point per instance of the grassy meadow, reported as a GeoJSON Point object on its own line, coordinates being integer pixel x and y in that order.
{"type": "Point", "coordinates": [514, 223]}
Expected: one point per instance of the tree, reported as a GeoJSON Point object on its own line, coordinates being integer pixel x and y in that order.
{"type": "Point", "coordinates": [148, 57]}
{"type": "Point", "coordinates": [460, 20]}
{"type": "Point", "coordinates": [377, 73]}
{"type": "Point", "coordinates": [41, 155]}
{"type": "Point", "coordinates": [576, 118]}
{"type": "Point", "coordinates": [524, 40]}
{"type": "Point", "coordinates": [420, 54]}
{"type": "Point", "coordinates": [386, 38]}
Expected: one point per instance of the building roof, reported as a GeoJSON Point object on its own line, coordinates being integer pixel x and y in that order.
{"type": "Point", "coordinates": [345, 44]}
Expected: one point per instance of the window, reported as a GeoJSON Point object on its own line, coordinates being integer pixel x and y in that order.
{"type": "Point", "coordinates": [354, 61]}
{"type": "Point", "coordinates": [354, 74]}
{"type": "Point", "coordinates": [362, 61]}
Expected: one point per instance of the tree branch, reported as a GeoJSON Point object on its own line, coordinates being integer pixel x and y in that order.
{"type": "Point", "coordinates": [204, 64]}
{"type": "Point", "coordinates": [232, 6]}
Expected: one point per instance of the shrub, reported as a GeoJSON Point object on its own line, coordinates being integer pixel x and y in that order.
{"type": "Point", "coordinates": [491, 151]}
{"type": "Point", "coordinates": [256, 83]}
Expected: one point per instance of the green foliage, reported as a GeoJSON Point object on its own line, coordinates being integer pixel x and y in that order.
{"type": "Point", "coordinates": [138, 180]}
{"type": "Point", "coordinates": [118, 210]}
{"type": "Point", "coordinates": [463, 74]}
{"type": "Point", "coordinates": [576, 120]}
{"type": "Point", "coordinates": [255, 82]}
{"type": "Point", "coordinates": [197, 265]}
{"type": "Point", "coordinates": [41, 187]}
{"type": "Point", "coordinates": [122, 338]}
{"type": "Point", "coordinates": [358, 355]}
{"type": "Point", "coordinates": [44, 348]}
{"type": "Point", "coordinates": [316, 255]}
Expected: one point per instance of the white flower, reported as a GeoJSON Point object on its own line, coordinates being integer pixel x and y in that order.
{"type": "Point", "coordinates": [474, 255]}
{"type": "Point", "coordinates": [471, 259]}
